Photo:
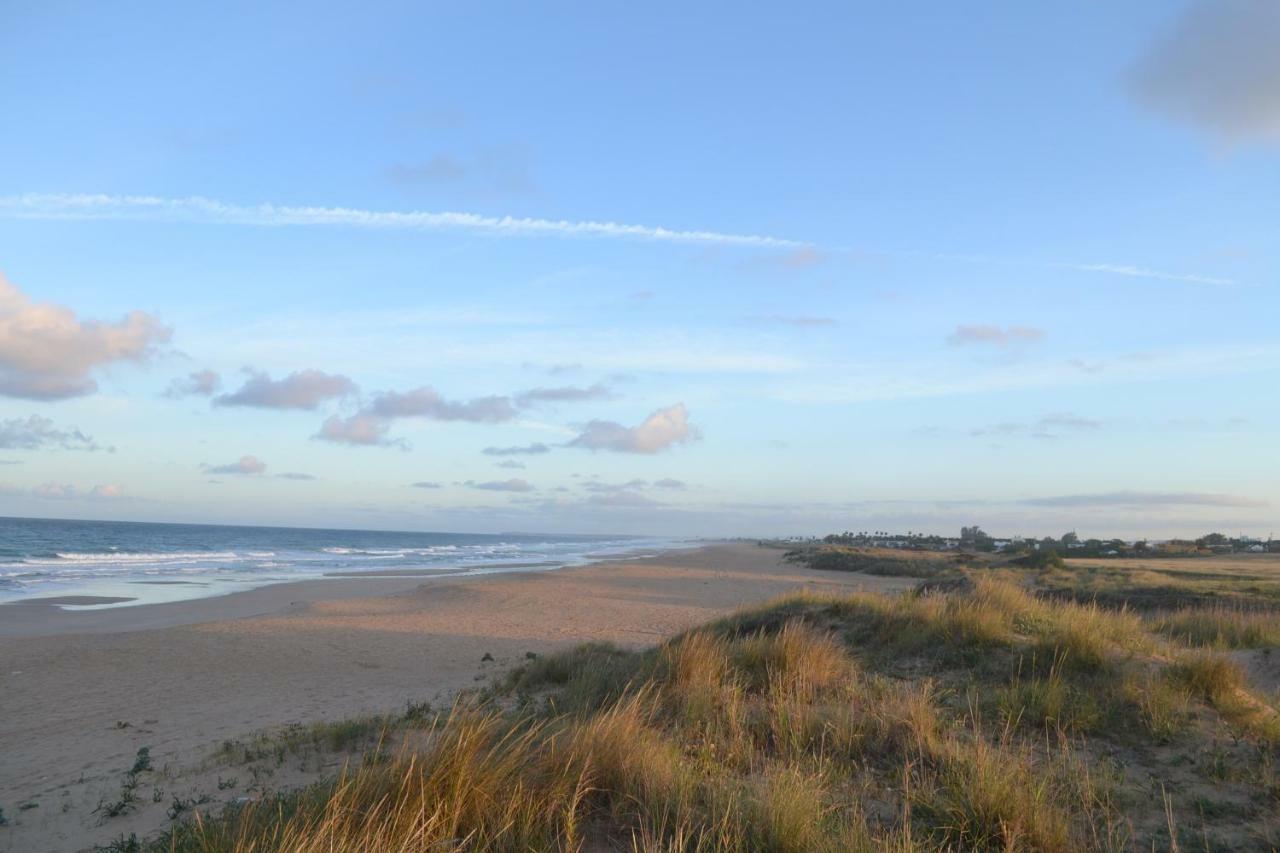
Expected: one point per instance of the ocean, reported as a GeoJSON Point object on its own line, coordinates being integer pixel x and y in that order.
{"type": "Point", "coordinates": [149, 563]}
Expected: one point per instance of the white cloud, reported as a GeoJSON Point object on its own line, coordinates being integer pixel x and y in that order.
{"type": "Point", "coordinates": [48, 353]}
{"type": "Point", "coordinates": [37, 433]}
{"type": "Point", "coordinates": [662, 429]}
{"type": "Point", "coordinates": [1218, 67]}
{"type": "Point", "coordinates": [303, 389]}
{"type": "Point", "coordinates": [244, 465]}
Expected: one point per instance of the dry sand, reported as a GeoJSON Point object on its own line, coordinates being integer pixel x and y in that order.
{"type": "Point", "coordinates": [187, 676]}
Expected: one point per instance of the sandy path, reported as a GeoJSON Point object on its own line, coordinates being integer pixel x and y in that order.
{"type": "Point", "coordinates": [305, 657]}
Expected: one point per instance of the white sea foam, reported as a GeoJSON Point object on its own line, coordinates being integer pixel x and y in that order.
{"type": "Point", "coordinates": [127, 567]}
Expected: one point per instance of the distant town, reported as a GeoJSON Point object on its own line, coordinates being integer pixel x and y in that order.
{"type": "Point", "coordinates": [976, 539]}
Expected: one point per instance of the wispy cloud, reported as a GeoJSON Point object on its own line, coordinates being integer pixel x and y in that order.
{"type": "Point", "coordinates": [800, 321]}
{"type": "Point", "coordinates": [201, 383]}
{"type": "Point", "coordinates": [1143, 272]}
{"type": "Point", "coordinates": [521, 450]}
{"type": "Point", "coordinates": [1049, 426]}
{"type": "Point", "coordinates": [514, 485]}
{"type": "Point", "coordinates": [1139, 500]}
{"type": "Point", "coordinates": [564, 394]}
{"type": "Point", "coordinates": [995, 335]}
{"type": "Point", "coordinates": [801, 258]}
{"type": "Point", "coordinates": [426, 402]}
{"type": "Point", "coordinates": [199, 209]}
{"type": "Point", "coordinates": [861, 381]}
{"type": "Point", "coordinates": [604, 486]}
{"type": "Point", "coordinates": [622, 499]}
{"type": "Point", "coordinates": [38, 433]}
{"type": "Point", "coordinates": [70, 491]}
{"type": "Point", "coordinates": [490, 171]}
{"type": "Point", "coordinates": [295, 475]}
{"type": "Point", "coordinates": [1126, 270]}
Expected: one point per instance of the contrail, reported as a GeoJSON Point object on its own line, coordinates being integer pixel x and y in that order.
{"type": "Point", "coordinates": [198, 209]}
{"type": "Point", "coordinates": [204, 210]}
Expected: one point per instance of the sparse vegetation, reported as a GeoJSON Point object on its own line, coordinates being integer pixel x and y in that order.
{"type": "Point", "coordinates": [127, 798]}
{"type": "Point", "coordinates": [122, 844]}
{"type": "Point", "coordinates": [142, 762]}
{"type": "Point", "coordinates": [970, 714]}
{"type": "Point", "coordinates": [876, 561]}
{"type": "Point", "coordinates": [336, 736]}
{"type": "Point", "coordinates": [181, 805]}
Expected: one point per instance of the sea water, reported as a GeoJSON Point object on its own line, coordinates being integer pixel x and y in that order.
{"type": "Point", "coordinates": [147, 563]}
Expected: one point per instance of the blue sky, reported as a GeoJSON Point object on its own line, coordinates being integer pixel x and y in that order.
{"type": "Point", "coordinates": [730, 270]}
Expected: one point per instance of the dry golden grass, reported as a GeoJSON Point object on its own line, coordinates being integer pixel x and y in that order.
{"type": "Point", "coordinates": [1221, 627]}
{"type": "Point", "coordinates": [817, 723]}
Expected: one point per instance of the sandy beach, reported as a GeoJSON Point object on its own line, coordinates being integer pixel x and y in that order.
{"type": "Point", "coordinates": [81, 692]}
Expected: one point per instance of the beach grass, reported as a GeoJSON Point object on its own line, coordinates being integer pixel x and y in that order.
{"type": "Point", "coordinates": [971, 714]}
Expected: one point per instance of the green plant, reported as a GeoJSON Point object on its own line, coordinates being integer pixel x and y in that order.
{"type": "Point", "coordinates": [121, 844]}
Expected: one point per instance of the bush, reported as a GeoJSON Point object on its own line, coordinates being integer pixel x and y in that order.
{"type": "Point", "coordinates": [1041, 560]}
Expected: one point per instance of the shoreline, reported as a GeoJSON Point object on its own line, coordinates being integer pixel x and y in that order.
{"type": "Point", "coordinates": [81, 692]}
{"type": "Point", "coordinates": [46, 616]}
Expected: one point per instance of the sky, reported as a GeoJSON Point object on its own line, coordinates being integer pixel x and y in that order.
{"type": "Point", "coordinates": [669, 268]}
